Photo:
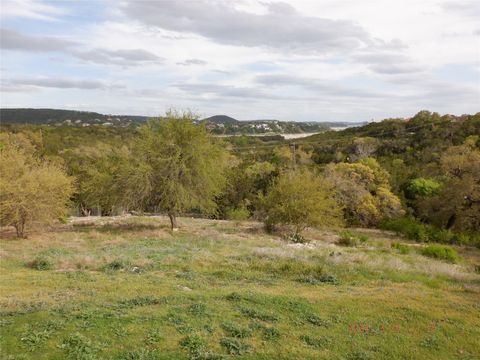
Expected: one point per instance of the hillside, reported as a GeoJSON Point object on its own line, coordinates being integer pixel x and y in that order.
{"type": "Point", "coordinates": [67, 117]}
{"type": "Point", "coordinates": [127, 288]}
{"type": "Point", "coordinates": [218, 124]}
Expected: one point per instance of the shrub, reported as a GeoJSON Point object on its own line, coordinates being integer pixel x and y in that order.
{"type": "Point", "coordinates": [409, 227]}
{"type": "Point", "coordinates": [296, 238]}
{"type": "Point", "coordinates": [300, 199]}
{"type": "Point", "coordinates": [41, 263]}
{"type": "Point", "coordinates": [441, 252]}
{"type": "Point", "coordinates": [116, 265]}
{"type": "Point", "coordinates": [349, 238]}
{"type": "Point", "coordinates": [238, 214]}
{"type": "Point", "coordinates": [403, 249]}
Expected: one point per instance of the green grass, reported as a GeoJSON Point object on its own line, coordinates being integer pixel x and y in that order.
{"type": "Point", "coordinates": [129, 289]}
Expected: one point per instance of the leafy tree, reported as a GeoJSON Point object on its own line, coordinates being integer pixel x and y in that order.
{"type": "Point", "coordinates": [363, 191]}
{"type": "Point", "coordinates": [457, 205]}
{"type": "Point", "coordinates": [421, 187]}
{"type": "Point", "coordinates": [32, 190]}
{"type": "Point", "coordinates": [300, 199]}
{"type": "Point", "coordinates": [100, 172]}
{"type": "Point", "coordinates": [181, 165]}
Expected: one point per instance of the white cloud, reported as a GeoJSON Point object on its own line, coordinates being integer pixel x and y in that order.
{"type": "Point", "coordinates": [293, 60]}
{"type": "Point", "coordinates": [32, 9]}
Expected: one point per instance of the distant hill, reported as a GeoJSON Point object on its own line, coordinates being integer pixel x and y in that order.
{"type": "Point", "coordinates": [56, 117]}
{"type": "Point", "coordinates": [217, 124]}
{"type": "Point", "coordinates": [220, 119]}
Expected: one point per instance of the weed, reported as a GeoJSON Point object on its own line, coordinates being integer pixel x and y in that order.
{"type": "Point", "coordinates": [255, 314]}
{"type": "Point", "coordinates": [194, 345]}
{"type": "Point", "coordinates": [138, 301]}
{"type": "Point", "coordinates": [234, 346]}
{"type": "Point", "coordinates": [116, 265]}
{"type": "Point", "coordinates": [402, 249]}
{"type": "Point", "coordinates": [140, 354]}
{"type": "Point", "coordinates": [271, 334]}
{"type": "Point", "coordinates": [233, 297]}
{"type": "Point", "coordinates": [360, 355]}
{"type": "Point", "coordinates": [430, 342]}
{"type": "Point", "coordinates": [324, 278]}
{"type": "Point", "coordinates": [40, 263]}
{"type": "Point", "coordinates": [236, 331]}
{"type": "Point", "coordinates": [316, 342]}
{"type": "Point", "coordinates": [79, 347]}
{"type": "Point", "coordinates": [441, 252]}
{"type": "Point", "coordinates": [32, 339]}
{"type": "Point", "coordinates": [197, 309]}
{"type": "Point", "coordinates": [295, 238]}
{"type": "Point", "coordinates": [348, 238]}
{"type": "Point", "coordinates": [153, 337]}
{"type": "Point", "coordinates": [317, 321]}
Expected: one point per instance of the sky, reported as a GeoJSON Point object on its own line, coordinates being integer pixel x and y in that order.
{"type": "Point", "coordinates": [312, 60]}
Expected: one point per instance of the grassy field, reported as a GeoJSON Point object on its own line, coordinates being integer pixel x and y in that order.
{"type": "Point", "coordinates": [127, 288]}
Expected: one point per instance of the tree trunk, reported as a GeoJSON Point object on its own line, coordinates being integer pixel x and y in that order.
{"type": "Point", "coordinates": [20, 228]}
{"type": "Point", "coordinates": [173, 221]}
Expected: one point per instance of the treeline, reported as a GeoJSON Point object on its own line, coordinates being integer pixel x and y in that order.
{"type": "Point", "coordinates": [423, 173]}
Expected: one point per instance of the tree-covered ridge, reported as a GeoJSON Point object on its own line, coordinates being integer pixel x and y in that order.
{"type": "Point", "coordinates": [424, 169]}
{"type": "Point", "coordinates": [218, 124]}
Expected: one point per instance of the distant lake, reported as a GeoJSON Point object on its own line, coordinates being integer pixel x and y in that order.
{"type": "Point", "coordinates": [286, 136]}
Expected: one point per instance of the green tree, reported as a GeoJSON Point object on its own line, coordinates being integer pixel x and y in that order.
{"type": "Point", "coordinates": [363, 191]}
{"type": "Point", "coordinates": [300, 199]}
{"type": "Point", "coordinates": [457, 204]}
{"type": "Point", "coordinates": [100, 171]}
{"type": "Point", "coordinates": [181, 165]}
{"type": "Point", "coordinates": [32, 190]}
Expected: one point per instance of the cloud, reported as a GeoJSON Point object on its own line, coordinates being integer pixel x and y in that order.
{"type": "Point", "coordinates": [32, 9]}
{"type": "Point", "coordinates": [14, 40]}
{"type": "Point", "coordinates": [130, 57]}
{"type": "Point", "coordinates": [189, 62]}
{"type": "Point", "coordinates": [468, 8]}
{"type": "Point", "coordinates": [387, 62]}
{"type": "Point", "coordinates": [59, 83]}
{"type": "Point", "coordinates": [217, 90]}
{"type": "Point", "coordinates": [280, 28]}
{"type": "Point", "coordinates": [316, 85]}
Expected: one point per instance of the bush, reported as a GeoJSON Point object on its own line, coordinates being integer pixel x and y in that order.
{"type": "Point", "coordinates": [441, 252]}
{"type": "Point", "coordinates": [41, 263]}
{"type": "Point", "coordinates": [349, 238]}
{"type": "Point", "coordinates": [403, 249]}
{"type": "Point", "coordinates": [415, 230]}
{"type": "Point", "coordinates": [300, 199]}
{"type": "Point", "coordinates": [238, 214]}
{"type": "Point", "coordinates": [116, 265]}
{"type": "Point", "coordinates": [296, 238]}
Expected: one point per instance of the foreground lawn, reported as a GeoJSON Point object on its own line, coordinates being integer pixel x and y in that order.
{"type": "Point", "coordinates": [129, 289]}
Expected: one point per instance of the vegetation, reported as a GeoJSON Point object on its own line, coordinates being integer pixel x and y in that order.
{"type": "Point", "coordinates": [441, 252]}
{"type": "Point", "coordinates": [32, 190]}
{"type": "Point", "coordinates": [300, 199]}
{"type": "Point", "coordinates": [180, 167]}
{"type": "Point", "coordinates": [217, 288]}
